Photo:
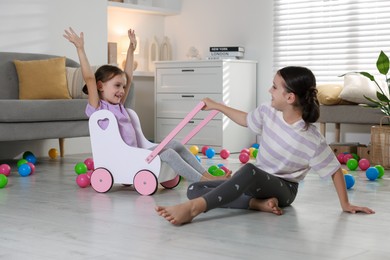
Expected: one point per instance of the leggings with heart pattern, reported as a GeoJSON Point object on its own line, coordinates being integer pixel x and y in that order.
{"type": "Point", "coordinates": [247, 183]}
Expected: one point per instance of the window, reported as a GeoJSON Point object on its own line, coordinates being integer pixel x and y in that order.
{"type": "Point", "coordinates": [331, 37]}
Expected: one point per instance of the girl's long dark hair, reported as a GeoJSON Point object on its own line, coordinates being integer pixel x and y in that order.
{"type": "Point", "coordinates": [302, 82]}
{"type": "Point", "coordinates": [105, 73]}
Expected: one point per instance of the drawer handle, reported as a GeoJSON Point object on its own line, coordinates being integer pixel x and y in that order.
{"type": "Point", "coordinates": [191, 122]}
{"type": "Point", "coordinates": [188, 96]}
{"type": "Point", "coordinates": [188, 70]}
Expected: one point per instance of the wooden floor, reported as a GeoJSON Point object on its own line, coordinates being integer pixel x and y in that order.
{"type": "Point", "coordinates": [47, 216]}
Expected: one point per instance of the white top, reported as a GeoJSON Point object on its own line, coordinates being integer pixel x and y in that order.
{"type": "Point", "coordinates": [290, 151]}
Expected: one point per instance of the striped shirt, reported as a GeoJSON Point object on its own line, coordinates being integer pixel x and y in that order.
{"type": "Point", "coordinates": [290, 151]}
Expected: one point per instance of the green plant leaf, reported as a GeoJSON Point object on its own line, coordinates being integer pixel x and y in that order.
{"type": "Point", "coordinates": [376, 103]}
{"type": "Point", "coordinates": [382, 63]}
{"type": "Point", "coordinates": [368, 75]}
{"type": "Point", "coordinates": [382, 97]}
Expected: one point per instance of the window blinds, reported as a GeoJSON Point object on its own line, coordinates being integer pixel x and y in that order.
{"type": "Point", "coordinates": [331, 37]}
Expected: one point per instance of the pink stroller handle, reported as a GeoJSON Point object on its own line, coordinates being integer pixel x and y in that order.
{"type": "Point", "coordinates": [180, 126]}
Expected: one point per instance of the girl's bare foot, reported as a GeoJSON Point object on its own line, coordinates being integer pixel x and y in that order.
{"type": "Point", "coordinates": [182, 213]}
{"type": "Point", "coordinates": [266, 205]}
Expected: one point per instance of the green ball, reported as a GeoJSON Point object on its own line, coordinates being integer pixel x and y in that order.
{"type": "Point", "coordinates": [381, 170]}
{"type": "Point", "coordinates": [212, 168]}
{"type": "Point", "coordinates": [218, 172]}
{"type": "Point", "coordinates": [255, 152]}
{"type": "Point", "coordinates": [352, 164]}
{"type": "Point", "coordinates": [80, 168]}
{"type": "Point", "coordinates": [355, 156]}
{"type": "Point", "coordinates": [3, 181]}
{"type": "Point", "coordinates": [21, 161]}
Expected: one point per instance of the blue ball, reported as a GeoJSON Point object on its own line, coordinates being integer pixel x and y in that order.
{"type": "Point", "coordinates": [198, 158]}
{"type": "Point", "coordinates": [372, 173]}
{"type": "Point", "coordinates": [24, 170]}
{"type": "Point", "coordinates": [210, 153]}
{"type": "Point", "coordinates": [349, 180]}
{"type": "Point", "coordinates": [31, 158]}
{"type": "Point", "coordinates": [256, 145]}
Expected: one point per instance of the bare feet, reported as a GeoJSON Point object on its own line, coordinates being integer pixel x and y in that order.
{"type": "Point", "coordinates": [266, 205]}
{"type": "Point", "coordinates": [182, 213]}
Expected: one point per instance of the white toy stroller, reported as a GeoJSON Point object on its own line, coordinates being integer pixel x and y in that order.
{"type": "Point", "coordinates": [117, 162]}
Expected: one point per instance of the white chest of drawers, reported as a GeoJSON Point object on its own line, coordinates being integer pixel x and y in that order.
{"type": "Point", "coordinates": [180, 85]}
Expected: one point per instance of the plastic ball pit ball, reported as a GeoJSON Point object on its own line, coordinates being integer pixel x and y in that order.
{"type": "Point", "coordinates": [212, 168]}
{"type": "Point", "coordinates": [226, 170]}
{"type": "Point", "coordinates": [364, 164]}
{"type": "Point", "coordinates": [255, 152]}
{"type": "Point", "coordinates": [349, 180]}
{"type": "Point", "coordinates": [204, 149]}
{"type": "Point", "coordinates": [352, 164]}
{"type": "Point", "coordinates": [372, 173]}
{"type": "Point", "coordinates": [344, 171]}
{"type": "Point", "coordinates": [381, 170]}
{"type": "Point", "coordinates": [218, 172]}
{"type": "Point", "coordinates": [251, 149]}
{"type": "Point", "coordinates": [89, 163]}
{"type": "Point", "coordinates": [80, 168]}
{"type": "Point", "coordinates": [194, 149]}
{"type": "Point", "coordinates": [83, 180]}
{"type": "Point", "coordinates": [224, 154]}
{"type": "Point", "coordinates": [198, 158]}
{"type": "Point", "coordinates": [24, 170]}
{"type": "Point", "coordinates": [340, 158]}
{"type": "Point", "coordinates": [53, 153]}
{"type": "Point", "coordinates": [5, 169]}
{"type": "Point", "coordinates": [26, 153]}
{"type": "Point", "coordinates": [32, 166]}
{"type": "Point", "coordinates": [245, 150]}
{"type": "Point", "coordinates": [20, 162]}
{"type": "Point", "coordinates": [3, 181]}
{"type": "Point", "coordinates": [256, 145]}
{"type": "Point", "coordinates": [243, 157]}
{"type": "Point", "coordinates": [347, 157]}
{"type": "Point", "coordinates": [31, 158]}
{"type": "Point", "coordinates": [210, 153]}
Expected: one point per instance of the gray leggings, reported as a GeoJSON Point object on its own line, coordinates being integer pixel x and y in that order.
{"type": "Point", "coordinates": [182, 161]}
{"type": "Point", "coordinates": [247, 183]}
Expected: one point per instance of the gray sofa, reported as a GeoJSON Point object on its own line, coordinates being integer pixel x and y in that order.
{"type": "Point", "coordinates": [37, 119]}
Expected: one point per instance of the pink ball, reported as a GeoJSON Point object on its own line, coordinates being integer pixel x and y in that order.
{"type": "Point", "coordinates": [347, 157]}
{"type": "Point", "coordinates": [204, 149]}
{"type": "Point", "coordinates": [82, 180]}
{"type": "Point", "coordinates": [5, 169]}
{"type": "Point", "coordinates": [340, 158]}
{"type": "Point", "coordinates": [32, 166]}
{"type": "Point", "coordinates": [246, 150]}
{"type": "Point", "coordinates": [89, 174]}
{"type": "Point", "coordinates": [226, 170]}
{"type": "Point", "coordinates": [224, 154]}
{"type": "Point", "coordinates": [364, 164]}
{"type": "Point", "coordinates": [89, 163]}
{"type": "Point", "coordinates": [244, 157]}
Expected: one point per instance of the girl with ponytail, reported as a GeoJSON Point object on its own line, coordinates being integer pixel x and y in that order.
{"type": "Point", "coordinates": [290, 147]}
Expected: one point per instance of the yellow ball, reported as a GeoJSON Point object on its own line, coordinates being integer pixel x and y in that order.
{"type": "Point", "coordinates": [53, 153]}
{"type": "Point", "coordinates": [251, 149]}
{"type": "Point", "coordinates": [194, 149]}
{"type": "Point", "coordinates": [344, 171]}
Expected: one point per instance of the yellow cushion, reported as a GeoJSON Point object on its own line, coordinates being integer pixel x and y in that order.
{"type": "Point", "coordinates": [329, 94]}
{"type": "Point", "coordinates": [42, 79]}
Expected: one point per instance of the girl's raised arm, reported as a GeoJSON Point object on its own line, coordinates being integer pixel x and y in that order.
{"type": "Point", "coordinates": [129, 63]}
{"type": "Point", "coordinates": [88, 74]}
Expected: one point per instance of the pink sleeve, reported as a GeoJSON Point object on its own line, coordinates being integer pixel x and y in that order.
{"type": "Point", "coordinates": [90, 109]}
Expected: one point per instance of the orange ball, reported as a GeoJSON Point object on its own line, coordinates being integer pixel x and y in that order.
{"type": "Point", "coordinates": [53, 153]}
{"type": "Point", "coordinates": [194, 149]}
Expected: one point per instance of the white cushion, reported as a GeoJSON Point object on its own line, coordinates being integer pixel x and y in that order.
{"type": "Point", "coordinates": [357, 86]}
{"type": "Point", "coordinates": [76, 82]}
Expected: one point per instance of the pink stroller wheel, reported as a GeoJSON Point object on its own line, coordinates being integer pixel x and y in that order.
{"type": "Point", "coordinates": [171, 183]}
{"type": "Point", "coordinates": [101, 180]}
{"type": "Point", "coordinates": [145, 182]}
